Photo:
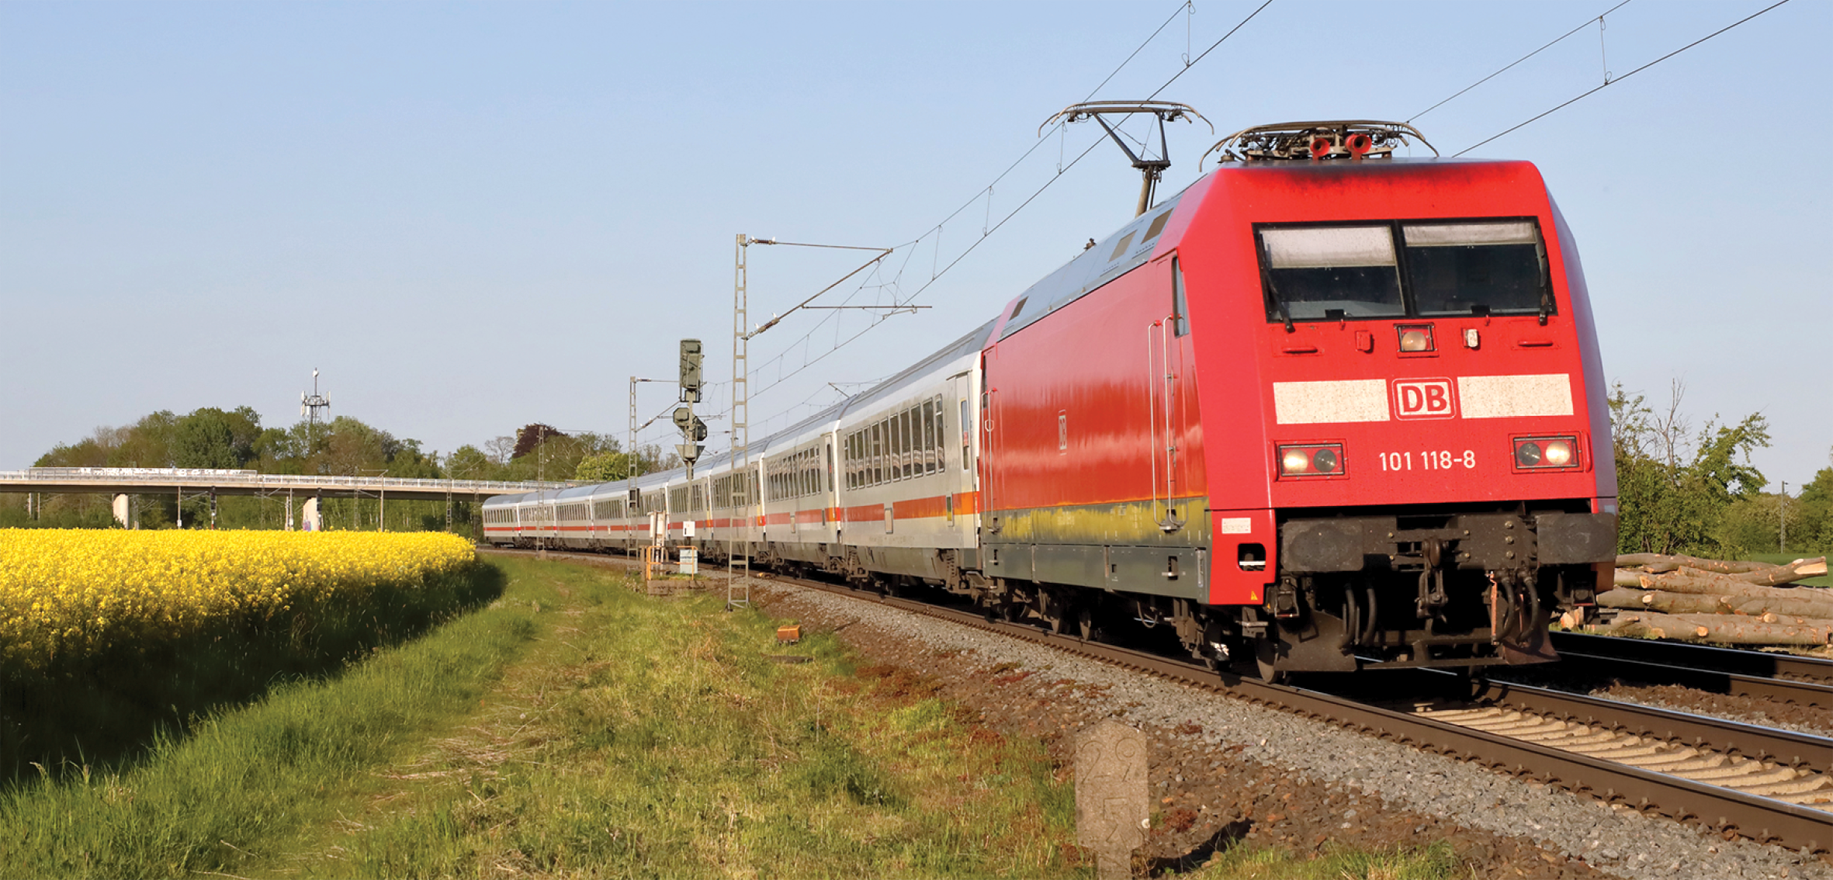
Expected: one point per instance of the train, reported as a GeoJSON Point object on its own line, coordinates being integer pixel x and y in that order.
{"type": "Point", "coordinates": [1326, 409]}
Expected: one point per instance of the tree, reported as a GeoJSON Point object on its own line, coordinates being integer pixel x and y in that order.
{"type": "Point", "coordinates": [212, 438]}
{"type": "Point", "coordinates": [1816, 518]}
{"type": "Point", "coordinates": [470, 463]}
{"type": "Point", "coordinates": [532, 436]}
{"type": "Point", "coordinates": [501, 448]}
{"type": "Point", "coordinates": [1675, 488]}
{"type": "Point", "coordinates": [602, 467]}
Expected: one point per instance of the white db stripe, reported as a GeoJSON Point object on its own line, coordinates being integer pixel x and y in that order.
{"type": "Point", "coordinates": [1311, 403]}
{"type": "Point", "coordinates": [1499, 397]}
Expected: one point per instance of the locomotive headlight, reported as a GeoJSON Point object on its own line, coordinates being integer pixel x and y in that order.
{"type": "Point", "coordinates": [1546, 453]}
{"type": "Point", "coordinates": [1310, 460]}
{"type": "Point", "coordinates": [1558, 453]}
{"type": "Point", "coordinates": [1416, 337]}
{"type": "Point", "coordinates": [1528, 454]}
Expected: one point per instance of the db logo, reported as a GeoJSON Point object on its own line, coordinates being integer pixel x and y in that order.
{"type": "Point", "coordinates": [1423, 399]}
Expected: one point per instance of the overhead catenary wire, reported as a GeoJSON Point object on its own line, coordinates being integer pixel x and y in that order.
{"type": "Point", "coordinates": [988, 189]}
{"type": "Point", "coordinates": [1613, 81]}
{"type": "Point", "coordinates": [895, 288]}
{"type": "Point", "coordinates": [894, 283]}
{"type": "Point", "coordinates": [1506, 68]}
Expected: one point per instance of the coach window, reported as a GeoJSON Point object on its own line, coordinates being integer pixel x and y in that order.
{"type": "Point", "coordinates": [897, 446]}
{"type": "Point", "coordinates": [890, 455]}
{"type": "Point", "coordinates": [900, 428]}
{"type": "Point", "coordinates": [1328, 273]}
{"type": "Point", "coordinates": [878, 453]}
{"type": "Point", "coordinates": [912, 433]}
{"type": "Point", "coordinates": [967, 433]}
{"type": "Point", "coordinates": [1180, 306]}
{"type": "Point", "coordinates": [929, 438]}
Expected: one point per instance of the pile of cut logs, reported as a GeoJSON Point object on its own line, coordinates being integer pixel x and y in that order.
{"type": "Point", "coordinates": [1736, 603]}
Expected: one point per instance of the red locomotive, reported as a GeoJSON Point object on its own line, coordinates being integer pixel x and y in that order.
{"type": "Point", "coordinates": [1342, 409]}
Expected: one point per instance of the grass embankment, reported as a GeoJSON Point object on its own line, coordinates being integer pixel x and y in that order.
{"type": "Point", "coordinates": [574, 727]}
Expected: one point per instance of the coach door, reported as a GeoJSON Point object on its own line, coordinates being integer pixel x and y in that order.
{"type": "Point", "coordinates": [958, 407]}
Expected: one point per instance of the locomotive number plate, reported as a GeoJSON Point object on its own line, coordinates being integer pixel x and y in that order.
{"type": "Point", "coordinates": [1429, 460]}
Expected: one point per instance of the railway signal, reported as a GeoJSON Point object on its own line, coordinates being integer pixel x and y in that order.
{"type": "Point", "coordinates": [692, 428]}
{"type": "Point", "coordinates": [690, 370]}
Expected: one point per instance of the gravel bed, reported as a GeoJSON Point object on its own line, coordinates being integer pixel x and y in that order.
{"type": "Point", "coordinates": [1225, 769]}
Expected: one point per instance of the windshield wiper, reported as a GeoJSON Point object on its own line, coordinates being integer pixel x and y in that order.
{"type": "Point", "coordinates": [1266, 278]}
{"type": "Point", "coordinates": [1546, 287]}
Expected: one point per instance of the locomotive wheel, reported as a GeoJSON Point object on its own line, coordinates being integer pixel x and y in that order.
{"type": "Point", "coordinates": [1085, 624]}
{"type": "Point", "coordinates": [1263, 658]}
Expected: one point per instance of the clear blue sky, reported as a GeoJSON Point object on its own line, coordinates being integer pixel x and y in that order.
{"type": "Point", "coordinates": [474, 216]}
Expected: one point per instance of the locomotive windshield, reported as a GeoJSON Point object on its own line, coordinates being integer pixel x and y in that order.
{"type": "Point", "coordinates": [1330, 272]}
{"type": "Point", "coordinates": [1475, 268]}
{"type": "Point", "coordinates": [1395, 269]}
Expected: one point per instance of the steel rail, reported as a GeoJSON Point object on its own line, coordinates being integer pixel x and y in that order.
{"type": "Point", "coordinates": [1731, 661]}
{"type": "Point", "coordinates": [1720, 810]}
{"type": "Point", "coordinates": [1799, 750]}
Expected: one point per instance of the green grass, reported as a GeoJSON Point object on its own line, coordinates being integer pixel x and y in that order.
{"type": "Point", "coordinates": [1433, 862]}
{"type": "Point", "coordinates": [668, 742]}
{"type": "Point", "coordinates": [575, 727]}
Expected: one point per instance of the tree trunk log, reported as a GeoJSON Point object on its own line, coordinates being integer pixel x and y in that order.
{"type": "Point", "coordinates": [1660, 626]}
{"type": "Point", "coordinates": [1788, 574]}
{"type": "Point", "coordinates": [1735, 630]}
{"type": "Point", "coordinates": [1666, 603]}
{"type": "Point", "coordinates": [1631, 599]}
{"type": "Point", "coordinates": [1684, 581]}
{"type": "Point", "coordinates": [1805, 606]}
{"type": "Point", "coordinates": [1667, 563]}
{"type": "Point", "coordinates": [1724, 628]}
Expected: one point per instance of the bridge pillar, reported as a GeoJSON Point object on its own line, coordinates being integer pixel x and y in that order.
{"type": "Point", "coordinates": [308, 515]}
{"type": "Point", "coordinates": [121, 505]}
{"type": "Point", "coordinates": [289, 510]}
{"type": "Point", "coordinates": [213, 510]}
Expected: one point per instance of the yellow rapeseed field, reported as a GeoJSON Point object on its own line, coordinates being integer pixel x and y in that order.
{"type": "Point", "coordinates": [67, 594]}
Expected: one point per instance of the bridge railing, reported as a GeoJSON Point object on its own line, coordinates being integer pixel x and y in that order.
{"type": "Point", "coordinates": [162, 477]}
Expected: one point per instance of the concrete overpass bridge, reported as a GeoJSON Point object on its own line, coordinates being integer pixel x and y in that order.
{"type": "Point", "coordinates": [123, 483]}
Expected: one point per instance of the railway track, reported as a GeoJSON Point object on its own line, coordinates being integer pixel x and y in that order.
{"type": "Point", "coordinates": [1784, 678]}
{"type": "Point", "coordinates": [1768, 785]}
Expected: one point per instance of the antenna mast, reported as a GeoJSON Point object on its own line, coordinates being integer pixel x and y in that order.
{"type": "Point", "coordinates": [310, 408]}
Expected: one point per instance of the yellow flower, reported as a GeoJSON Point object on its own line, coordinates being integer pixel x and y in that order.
{"type": "Point", "coordinates": [68, 594]}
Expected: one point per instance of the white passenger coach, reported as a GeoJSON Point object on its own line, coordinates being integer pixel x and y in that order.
{"type": "Point", "coordinates": [883, 484]}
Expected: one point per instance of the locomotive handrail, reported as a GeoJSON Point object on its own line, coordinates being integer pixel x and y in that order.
{"type": "Point", "coordinates": [1169, 522]}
